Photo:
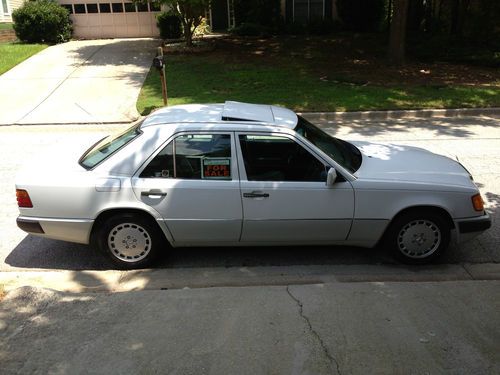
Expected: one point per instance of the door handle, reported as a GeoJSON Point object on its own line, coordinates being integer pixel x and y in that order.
{"type": "Point", "coordinates": [153, 194]}
{"type": "Point", "coordinates": [256, 194]}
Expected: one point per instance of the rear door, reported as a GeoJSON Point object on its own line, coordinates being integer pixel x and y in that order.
{"type": "Point", "coordinates": [284, 193]}
{"type": "Point", "coordinates": [193, 183]}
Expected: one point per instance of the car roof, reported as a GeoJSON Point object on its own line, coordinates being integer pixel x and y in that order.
{"type": "Point", "coordinates": [230, 112]}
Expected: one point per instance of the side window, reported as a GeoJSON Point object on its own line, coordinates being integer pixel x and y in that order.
{"type": "Point", "coordinates": [193, 156]}
{"type": "Point", "coordinates": [274, 158]}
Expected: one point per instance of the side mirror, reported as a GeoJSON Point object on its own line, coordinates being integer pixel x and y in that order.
{"type": "Point", "coordinates": [331, 176]}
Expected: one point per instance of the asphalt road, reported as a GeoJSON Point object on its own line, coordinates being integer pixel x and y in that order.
{"type": "Point", "coordinates": [260, 310]}
{"type": "Point", "coordinates": [350, 328]}
{"type": "Point", "coordinates": [475, 141]}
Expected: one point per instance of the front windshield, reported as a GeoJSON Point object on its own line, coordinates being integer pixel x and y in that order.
{"type": "Point", "coordinates": [344, 153]}
{"type": "Point", "coordinates": [107, 146]}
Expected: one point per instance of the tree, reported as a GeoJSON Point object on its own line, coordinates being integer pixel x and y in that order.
{"type": "Point", "coordinates": [398, 32]}
{"type": "Point", "coordinates": [459, 13]}
{"type": "Point", "coordinates": [190, 12]}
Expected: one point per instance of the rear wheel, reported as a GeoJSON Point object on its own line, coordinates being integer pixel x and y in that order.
{"type": "Point", "coordinates": [418, 237]}
{"type": "Point", "coordinates": [130, 241]}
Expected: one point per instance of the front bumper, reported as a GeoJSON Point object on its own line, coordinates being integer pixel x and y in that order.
{"type": "Point", "coordinates": [71, 230]}
{"type": "Point", "coordinates": [479, 224]}
{"type": "Point", "coordinates": [472, 227]}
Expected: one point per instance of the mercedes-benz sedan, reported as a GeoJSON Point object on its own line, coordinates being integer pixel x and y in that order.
{"type": "Point", "coordinates": [238, 174]}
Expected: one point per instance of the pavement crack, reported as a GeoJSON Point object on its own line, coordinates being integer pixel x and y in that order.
{"type": "Point", "coordinates": [463, 265]}
{"type": "Point", "coordinates": [327, 353]}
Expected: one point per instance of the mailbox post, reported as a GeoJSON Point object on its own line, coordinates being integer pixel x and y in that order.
{"type": "Point", "coordinates": [159, 63]}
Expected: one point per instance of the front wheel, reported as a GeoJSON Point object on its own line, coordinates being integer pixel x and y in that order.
{"type": "Point", "coordinates": [418, 237]}
{"type": "Point", "coordinates": [130, 241]}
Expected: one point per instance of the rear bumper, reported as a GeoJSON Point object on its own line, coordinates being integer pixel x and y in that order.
{"type": "Point", "coordinates": [71, 230]}
{"type": "Point", "coordinates": [29, 226]}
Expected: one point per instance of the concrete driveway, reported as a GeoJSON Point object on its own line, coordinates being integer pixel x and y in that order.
{"type": "Point", "coordinates": [93, 81]}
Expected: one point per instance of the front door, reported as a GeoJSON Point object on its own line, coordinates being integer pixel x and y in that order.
{"type": "Point", "coordinates": [193, 183]}
{"type": "Point", "coordinates": [285, 196]}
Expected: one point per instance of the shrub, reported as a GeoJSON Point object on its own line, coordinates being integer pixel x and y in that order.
{"type": "Point", "coordinates": [203, 29]}
{"type": "Point", "coordinates": [42, 21]}
{"type": "Point", "coordinates": [169, 26]}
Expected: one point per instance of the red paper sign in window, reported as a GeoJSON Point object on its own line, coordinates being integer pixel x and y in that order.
{"type": "Point", "coordinates": [216, 168]}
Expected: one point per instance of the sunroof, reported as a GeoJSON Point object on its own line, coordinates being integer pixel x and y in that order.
{"type": "Point", "coordinates": [236, 111]}
{"type": "Point", "coordinates": [225, 118]}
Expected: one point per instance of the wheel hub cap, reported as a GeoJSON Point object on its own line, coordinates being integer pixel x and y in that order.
{"type": "Point", "coordinates": [129, 242]}
{"type": "Point", "coordinates": [419, 238]}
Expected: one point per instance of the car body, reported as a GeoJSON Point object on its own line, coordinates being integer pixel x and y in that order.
{"type": "Point", "coordinates": [239, 174]}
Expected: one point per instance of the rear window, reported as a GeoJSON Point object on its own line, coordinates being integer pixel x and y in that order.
{"type": "Point", "coordinates": [108, 146]}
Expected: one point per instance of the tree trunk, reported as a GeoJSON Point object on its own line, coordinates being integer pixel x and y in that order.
{"type": "Point", "coordinates": [455, 14]}
{"type": "Point", "coordinates": [415, 16]}
{"type": "Point", "coordinates": [398, 32]}
{"type": "Point", "coordinates": [389, 14]}
{"type": "Point", "coordinates": [429, 16]}
{"type": "Point", "coordinates": [335, 11]}
{"type": "Point", "coordinates": [459, 10]}
{"type": "Point", "coordinates": [188, 34]}
{"type": "Point", "coordinates": [189, 39]}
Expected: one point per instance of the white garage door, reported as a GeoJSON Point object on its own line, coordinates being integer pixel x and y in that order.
{"type": "Point", "coordinates": [93, 19]}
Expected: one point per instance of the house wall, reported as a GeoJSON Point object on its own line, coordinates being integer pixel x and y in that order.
{"type": "Point", "coordinates": [6, 14]}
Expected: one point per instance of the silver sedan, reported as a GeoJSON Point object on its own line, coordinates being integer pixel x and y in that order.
{"type": "Point", "coordinates": [239, 174]}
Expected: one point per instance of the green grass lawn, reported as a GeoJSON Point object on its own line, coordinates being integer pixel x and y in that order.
{"type": "Point", "coordinates": [207, 79]}
{"type": "Point", "coordinates": [12, 54]}
{"type": "Point", "coordinates": [6, 26]}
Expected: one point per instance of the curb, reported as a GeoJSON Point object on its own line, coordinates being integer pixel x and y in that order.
{"type": "Point", "coordinates": [180, 278]}
{"type": "Point", "coordinates": [336, 116]}
{"type": "Point", "coordinates": [399, 114]}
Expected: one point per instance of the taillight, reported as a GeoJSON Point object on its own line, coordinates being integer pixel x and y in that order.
{"type": "Point", "coordinates": [23, 199]}
{"type": "Point", "coordinates": [477, 202]}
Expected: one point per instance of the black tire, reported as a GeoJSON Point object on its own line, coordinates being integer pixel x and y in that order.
{"type": "Point", "coordinates": [131, 241]}
{"type": "Point", "coordinates": [418, 237]}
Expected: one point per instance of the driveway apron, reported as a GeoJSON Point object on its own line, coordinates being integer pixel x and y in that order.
{"type": "Point", "coordinates": [93, 81]}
